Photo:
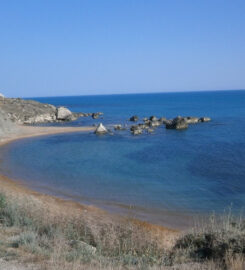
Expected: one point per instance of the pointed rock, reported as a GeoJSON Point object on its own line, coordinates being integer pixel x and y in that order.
{"type": "Point", "coordinates": [101, 129]}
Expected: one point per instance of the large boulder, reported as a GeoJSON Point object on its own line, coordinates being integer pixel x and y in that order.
{"type": "Point", "coordinates": [177, 123]}
{"type": "Point", "coordinates": [63, 114]}
{"type": "Point", "coordinates": [101, 129]}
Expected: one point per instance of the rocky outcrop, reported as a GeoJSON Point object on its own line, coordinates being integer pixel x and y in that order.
{"type": "Point", "coordinates": [6, 125]}
{"type": "Point", "coordinates": [177, 123]}
{"type": "Point", "coordinates": [22, 111]}
{"type": "Point", "coordinates": [101, 129]}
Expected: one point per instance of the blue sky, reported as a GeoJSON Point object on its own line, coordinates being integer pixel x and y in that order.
{"type": "Point", "coordinates": [57, 47]}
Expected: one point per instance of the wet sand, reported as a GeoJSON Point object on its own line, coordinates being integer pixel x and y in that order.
{"type": "Point", "coordinates": [65, 206]}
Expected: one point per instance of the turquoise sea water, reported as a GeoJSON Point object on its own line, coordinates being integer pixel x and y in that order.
{"type": "Point", "coordinates": [197, 170]}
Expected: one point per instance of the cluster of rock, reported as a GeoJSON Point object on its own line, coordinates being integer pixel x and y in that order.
{"type": "Point", "coordinates": [23, 111]}
{"type": "Point", "coordinates": [149, 124]}
{"type": "Point", "coordinates": [178, 123]}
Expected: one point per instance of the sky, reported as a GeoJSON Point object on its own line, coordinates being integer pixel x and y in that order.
{"type": "Point", "coordinates": [83, 47]}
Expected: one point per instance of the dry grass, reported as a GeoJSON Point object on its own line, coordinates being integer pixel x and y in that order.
{"type": "Point", "coordinates": [33, 233]}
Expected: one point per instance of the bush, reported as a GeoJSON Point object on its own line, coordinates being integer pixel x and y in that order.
{"type": "Point", "coordinates": [225, 238]}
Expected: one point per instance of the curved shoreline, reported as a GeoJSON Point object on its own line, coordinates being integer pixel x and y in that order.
{"type": "Point", "coordinates": [14, 188]}
{"type": "Point", "coordinates": [30, 131]}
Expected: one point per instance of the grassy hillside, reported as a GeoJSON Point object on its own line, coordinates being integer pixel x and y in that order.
{"type": "Point", "coordinates": [45, 238]}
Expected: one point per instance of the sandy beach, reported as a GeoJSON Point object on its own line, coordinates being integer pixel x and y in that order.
{"type": "Point", "coordinates": [31, 131]}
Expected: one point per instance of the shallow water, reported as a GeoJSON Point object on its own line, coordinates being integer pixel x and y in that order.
{"type": "Point", "coordinates": [193, 171]}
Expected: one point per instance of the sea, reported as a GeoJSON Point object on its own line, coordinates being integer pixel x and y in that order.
{"type": "Point", "coordinates": [156, 177]}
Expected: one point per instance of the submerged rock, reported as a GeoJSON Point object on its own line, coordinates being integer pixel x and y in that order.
{"type": "Point", "coordinates": [119, 127]}
{"type": "Point", "coordinates": [177, 123]}
{"type": "Point", "coordinates": [150, 130]}
{"type": "Point", "coordinates": [101, 129]}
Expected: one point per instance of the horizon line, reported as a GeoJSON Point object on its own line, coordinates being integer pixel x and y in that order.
{"type": "Point", "coordinates": [136, 93]}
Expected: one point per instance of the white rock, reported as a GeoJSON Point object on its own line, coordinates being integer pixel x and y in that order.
{"type": "Point", "coordinates": [40, 119]}
{"type": "Point", "coordinates": [63, 113]}
{"type": "Point", "coordinates": [101, 129]}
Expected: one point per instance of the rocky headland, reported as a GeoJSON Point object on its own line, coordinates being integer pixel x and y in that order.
{"type": "Point", "coordinates": [22, 111]}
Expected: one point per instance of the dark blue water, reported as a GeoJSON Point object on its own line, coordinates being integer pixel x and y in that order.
{"type": "Point", "coordinates": [198, 170]}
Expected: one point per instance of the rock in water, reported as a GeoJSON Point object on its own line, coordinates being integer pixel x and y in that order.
{"type": "Point", "coordinates": [163, 120]}
{"type": "Point", "coordinates": [101, 129]}
{"type": "Point", "coordinates": [63, 114]}
{"type": "Point", "coordinates": [204, 119]}
{"type": "Point", "coordinates": [119, 127]}
{"type": "Point", "coordinates": [191, 120]}
{"type": "Point", "coordinates": [153, 118]}
{"type": "Point", "coordinates": [96, 115]}
{"type": "Point", "coordinates": [134, 118]}
{"type": "Point", "coordinates": [177, 123]}
{"type": "Point", "coordinates": [137, 131]}
{"type": "Point", "coordinates": [155, 123]}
